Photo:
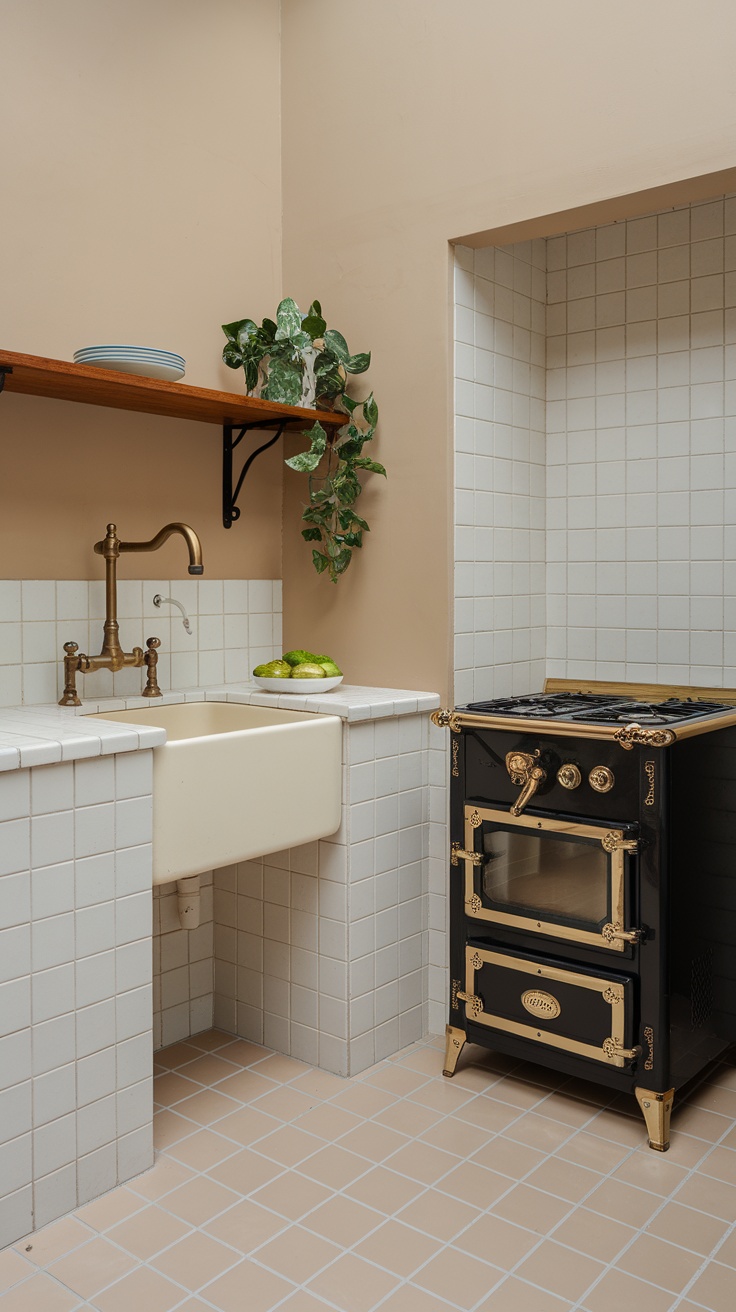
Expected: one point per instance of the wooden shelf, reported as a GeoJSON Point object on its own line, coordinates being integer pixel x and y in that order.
{"type": "Point", "coordinates": [35, 376]}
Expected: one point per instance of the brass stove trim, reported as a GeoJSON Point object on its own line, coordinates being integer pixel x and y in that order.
{"type": "Point", "coordinates": [656, 1109]}
{"type": "Point", "coordinates": [540, 1003]}
{"type": "Point", "coordinates": [457, 719]}
{"type": "Point", "coordinates": [474, 906]}
{"type": "Point", "coordinates": [641, 691]}
{"type": "Point", "coordinates": [612, 1051]}
{"type": "Point", "coordinates": [454, 1044]}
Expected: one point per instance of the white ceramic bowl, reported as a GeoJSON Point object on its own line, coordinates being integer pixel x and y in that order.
{"type": "Point", "coordinates": [297, 685]}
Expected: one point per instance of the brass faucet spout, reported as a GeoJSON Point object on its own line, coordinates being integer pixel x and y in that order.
{"type": "Point", "coordinates": [189, 536]}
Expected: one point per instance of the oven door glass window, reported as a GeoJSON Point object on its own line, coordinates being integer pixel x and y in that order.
{"type": "Point", "coordinates": [542, 875]}
{"type": "Point", "coordinates": [549, 876]}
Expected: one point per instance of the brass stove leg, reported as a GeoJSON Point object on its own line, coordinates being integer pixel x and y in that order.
{"type": "Point", "coordinates": [454, 1044]}
{"type": "Point", "coordinates": [656, 1108]}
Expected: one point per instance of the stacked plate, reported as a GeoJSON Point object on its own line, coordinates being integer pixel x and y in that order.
{"type": "Point", "coordinates": [146, 360]}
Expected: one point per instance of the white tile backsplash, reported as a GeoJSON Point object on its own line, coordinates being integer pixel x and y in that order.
{"type": "Point", "coordinates": [236, 624]}
{"type": "Point", "coordinates": [656, 522]}
{"type": "Point", "coordinates": [499, 470]}
{"type": "Point", "coordinates": [606, 521]}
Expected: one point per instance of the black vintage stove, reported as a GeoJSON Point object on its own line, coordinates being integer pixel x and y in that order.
{"type": "Point", "coordinates": [593, 884]}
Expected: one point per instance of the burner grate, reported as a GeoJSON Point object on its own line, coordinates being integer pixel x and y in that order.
{"type": "Point", "coordinates": [597, 708]}
{"type": "Point", "coordinates": [542, 706]}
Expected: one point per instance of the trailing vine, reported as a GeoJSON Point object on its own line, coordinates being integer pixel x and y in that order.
{"type": "Point", "coordinates": [298, 360]}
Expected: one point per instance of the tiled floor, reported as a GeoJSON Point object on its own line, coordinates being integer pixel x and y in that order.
{"type": "Point", "coordinates": [506, 1189]}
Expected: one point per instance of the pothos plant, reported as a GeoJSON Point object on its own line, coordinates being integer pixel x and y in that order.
{"type": "Point", "coordinates": [298, 360]}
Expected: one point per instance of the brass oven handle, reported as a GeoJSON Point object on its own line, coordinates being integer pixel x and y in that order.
{"type": "Point", "coordinates": [615, 842]}
{"type": "Point", "coordinates": [611, 932]}
{"type": "Point", "coordinates": [523, 769]}
{"type": "Point", "coordinates": [472, 1001]}
{"type": "Point", "coordinates": [458, 854]}
{"type": "Point", "coordinates": [613, 1049]}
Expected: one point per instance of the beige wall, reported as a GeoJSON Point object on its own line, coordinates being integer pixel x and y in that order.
{"type": "Point", "coordinates": [142, 199]}
{"type": "Point", "coordinates": [140, 202]}
{"type": "Point", "coordinates": [434, 119]}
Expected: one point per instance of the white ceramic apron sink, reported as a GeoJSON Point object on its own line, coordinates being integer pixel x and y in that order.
{"type": "Point", "coordinates": [233, 782]}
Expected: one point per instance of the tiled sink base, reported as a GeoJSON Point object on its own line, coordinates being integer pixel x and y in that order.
{"type": "Point", "coordinates": [323, 952]}
{"type": "Point", "coordinates": [75, 984]}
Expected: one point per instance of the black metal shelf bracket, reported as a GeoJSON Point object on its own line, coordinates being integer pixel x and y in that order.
{"type": "Point", "coordinates": [4, 370]}
{"type": "Point", "coordinates": [230, 509]}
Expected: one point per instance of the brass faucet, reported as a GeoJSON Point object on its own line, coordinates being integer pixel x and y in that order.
{"type": "Point", "coordinates": [112, 657]}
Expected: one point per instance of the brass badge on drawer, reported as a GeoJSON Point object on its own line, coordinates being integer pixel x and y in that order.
{"type": "Point", "coordinates": [541, 1004]}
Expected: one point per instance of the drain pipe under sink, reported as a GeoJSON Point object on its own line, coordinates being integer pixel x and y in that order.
{"type": "Point", "coordinates": [189, 897]}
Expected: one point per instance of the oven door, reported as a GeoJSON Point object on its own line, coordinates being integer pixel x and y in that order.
{"type": "Point", "coordinates": [578, 1011]}
{"type": "Point", "coordinates": [567, 879]}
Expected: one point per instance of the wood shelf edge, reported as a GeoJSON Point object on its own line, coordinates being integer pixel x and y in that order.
{"type": "Point", "coordinates": [62, 380]}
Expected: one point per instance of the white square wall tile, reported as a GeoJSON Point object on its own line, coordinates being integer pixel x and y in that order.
{"type": "Point", "coordinates": [38, 600]}
{"type": "Point", "coordinates": [668, 427]}
{"type": "Point", "coordinates": [38, 616]}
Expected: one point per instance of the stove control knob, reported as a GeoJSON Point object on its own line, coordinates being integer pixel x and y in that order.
{"type": "Point", "coordinates": [601, 779]}
{"type": "Point", "coordinates": [569, 776]}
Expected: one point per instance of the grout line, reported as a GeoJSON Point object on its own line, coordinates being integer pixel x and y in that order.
{"type": "Point", "coordinates": [565, 1088]}
{"type": "Point", "coordinates": [670, 1197]}
{"type": "Point", "coordinates": [442, 1246]}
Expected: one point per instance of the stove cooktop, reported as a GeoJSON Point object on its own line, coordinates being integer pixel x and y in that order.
{"type": "Point", "coordinates": [599, 708]}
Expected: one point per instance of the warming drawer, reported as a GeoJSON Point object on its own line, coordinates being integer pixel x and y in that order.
{"type": "Point", "coordinates": [578, 1011]}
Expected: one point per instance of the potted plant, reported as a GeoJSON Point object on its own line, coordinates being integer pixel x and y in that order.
{"type": "Point", "coordinates": [298, 360]}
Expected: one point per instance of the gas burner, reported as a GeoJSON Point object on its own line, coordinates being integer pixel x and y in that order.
{"type": "Point", "coordinates": [642, 716]}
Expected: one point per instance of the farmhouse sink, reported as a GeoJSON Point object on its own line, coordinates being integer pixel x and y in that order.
{"type": "Point", "coordinates": [234, 782]}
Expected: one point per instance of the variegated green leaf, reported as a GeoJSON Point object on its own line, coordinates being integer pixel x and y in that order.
{"type": "Point", "coordinates": [313, 323]}
{"type": "Point", "coordinates": [357, 364]}
{"type": "Point", "coordinates": [370, 411]}
{"type": "Point", "coordinates": [232, 356]}
{"type": "Point", "coordinates": [336, 345]}
{"type": "Point", "coordinates": [284, 383]}
{"type": "Point", "coordinates": [372, 465]}
{"type": "Point", "coordinates": [288, 319]}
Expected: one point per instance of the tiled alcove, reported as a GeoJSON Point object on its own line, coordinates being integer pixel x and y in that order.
{"type": "Point", "coordinates": [623, 496]}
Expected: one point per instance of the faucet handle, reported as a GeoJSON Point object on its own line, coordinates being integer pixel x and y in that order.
{"type": "Point", "coordinates": [151, 660]}
{"type": "Point", "coordinates": [70, 696]}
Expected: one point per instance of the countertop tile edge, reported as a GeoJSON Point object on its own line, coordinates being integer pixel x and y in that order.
{"type": "Point", "coordinates": [46, 734]}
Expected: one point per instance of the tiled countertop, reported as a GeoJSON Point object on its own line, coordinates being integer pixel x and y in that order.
{"type": "Point", "coordinates": [42, 735]}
